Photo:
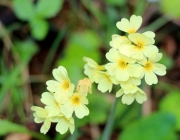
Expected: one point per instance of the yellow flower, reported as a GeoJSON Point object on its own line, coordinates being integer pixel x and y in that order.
{"type": "Point", "coordinates": [150, 34]}
{"type": "Point", "coordinates": [128, 98]}
{"type": "Point", "coordinates": [105, 82]}
{"type": "Point", "coordinates": [42, 115]}
{"type": "Point", "coordinates": [118, 40]}
{"type": "Point", "coordinates": [51, 103]}
{"type": "Point", "coordinates": [63, 83]}
{"type": "Point", "coordinates": [84, 86]}
{"type": "Point", "coordinates": [91, 68]}
{"type": "Point", "coordinates": [151, 67]}
{"type": "Point", "coordinates": [130, 26]}
{"type": "Point", "coordinates": [130, 86]}
{"type": "Point", "coordinates": [63, 124]}
{"type": "Point", "coordinates": [76, 103]}
{"type": "Point", "coordinates": [142, 46]}
{"type": "Point", "coordinates": [121, 67]}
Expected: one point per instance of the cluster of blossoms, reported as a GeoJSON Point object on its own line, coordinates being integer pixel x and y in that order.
{"type": "Point", "coordinates": [61, 102]}
{"type": "Point", "coordinates": [131, 58]}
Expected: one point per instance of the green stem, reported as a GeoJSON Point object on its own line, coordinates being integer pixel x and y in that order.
{"type": "Point", "coordinates": [53, 50]}
{"type": "Point", "coordinates": [158, 23]}
{"type": "Point", "coordinates": [110, 122]}
{"type": "Point", "coordinates": [74, 136]}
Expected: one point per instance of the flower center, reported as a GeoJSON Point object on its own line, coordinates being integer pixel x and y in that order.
{"type": "Point", "coordinates": [76, 99]}
{"type": "Point", "coordinates": [130, 31]}
{"type": "Point", "coordinates": [65, 85]}
{"type": "Point", "coordinates": [122, 64]}
{"type": "Point", "coordinates": [148, 66]}
{"type": "Point", "coordinates": [139, 46]}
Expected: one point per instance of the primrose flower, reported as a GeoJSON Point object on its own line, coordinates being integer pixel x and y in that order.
{"type": "Point", "coordinates": [84, 86]}
{"type": "Point", "coordinates": [130, 86]}
{"type": "Point", "coordinates": [76, 103]}
{"type": "Point", "coordinates": [118, 40]}
{"type": "Point", "coordinates": [151, 67]}
{"type": "Point", "coordinates": [42, 115]}
{"type": "Point", "coordinates": [51, 104]}
{"type": "Point", "coordinates": [121, 67]}
{"type": "Point", "coordinates": [63, 84]}
{"type": "Point", "coordinates": [139, 96]}
{"type": "Point", "coordinates": [149, 34]}
{"type": "Point", "coordinates": [63, 124]}
{"type": "Point", "coordinates": [130, 26]}
{"type": "Point", "coordinates": [91, 68]}
{"type": "Point", "coordinates": [105, 82]}
{"type": "Point", "coordinates": [142, 46]}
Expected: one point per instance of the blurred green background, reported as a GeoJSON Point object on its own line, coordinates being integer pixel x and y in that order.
{"type": "Point", "coordinates": [39, 35]}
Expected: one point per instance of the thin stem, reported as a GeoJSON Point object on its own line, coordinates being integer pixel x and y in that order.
{"type": "Point", "coordinates": [53, 50]}
{"type": "Point", "coordinates": [74, 136]}
{"type": "Point", "coordinates": [110, 122]}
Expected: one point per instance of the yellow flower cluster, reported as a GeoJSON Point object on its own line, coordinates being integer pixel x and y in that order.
{"type": "Point", "coordinates": [131, 58]}
{"type": "Point", "coordinates": [61, 101]}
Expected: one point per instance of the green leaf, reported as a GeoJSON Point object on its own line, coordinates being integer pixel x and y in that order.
{"type": "Point", "coordinates": [23, 9]}
{"type": "Point", "coordinates": [9, 127]}
{"type": "Point", "coordinates": [80, 44]}
{"type": "Point", "coordinates": [39, 28]}
{"type": "Point", "coordinates": [98, 107]}
{"type": "Point", "coordinates": [126, 114]}
{"type": "Point", "coordinates": [166, 60]}
{"type": "Point", "coordinates": [170, 7]}
{"type": "Point", "coordinates": [158, 126]}
{"type": "Point", "coordinates": [48, 8]}
{"type": "Point", "coordinates": [25, 50]}
{"type": "Point", "coordinates": [170, 103]}
{"type": "Point", "coordinates": [116, 2]}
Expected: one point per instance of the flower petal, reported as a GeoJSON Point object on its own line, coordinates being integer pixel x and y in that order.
{"type": "Point", "coordinates": [127, 99]}
{"type": "Point", "coordinates": [150, 78]}
{"type": "Point", "coordinates": [81, 111]}
{"type": "Point", "coordinates": [159, 69]}
{"type": "Point", "coordinates": [45, 127]}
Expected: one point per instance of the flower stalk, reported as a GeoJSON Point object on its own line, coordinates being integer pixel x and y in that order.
{"type": "Point", "coordinates": [110, 122]}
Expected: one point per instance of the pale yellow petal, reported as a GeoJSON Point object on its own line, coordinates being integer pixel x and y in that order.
{"type": "Point", "coordinates": [105, 85]}
{"type": "Point", "coordinates": [67, 109]}
{"type": "Point", "coordinates": [112, 55]}
{"type": "Point", "coordinates": [53, 110]}
{"type": "Point", "coordinates": [111, 68]}
{"type": "Point", "coordinates": [150, 50]}
{"type": "Point", "coordinates": [71, 128]}
{"type": "Point", "coordinates": [126, 49]}
{"type": "Point", "coordinates": [127, 99]}
{"type": "Point", "coordinates": [53, 85]}
{"type": "Point", "coordinates": [135, 22]}
{"type": "Point", "coordinates": [90, 62]}
{"type": "Point", "coordinates": [62, 125]}
{"type": "Point", "coordinates": [45, 127]}
{"type": "Point", "coordinates": [123, 25]}
{"type": "Point", "coordinates": [150, 78]}
{"type": "Point", "coordinates": [119, 93]}
{"type": "Point", "coordinates": [81, 111]}
{"type": "Point", "coordinates": [40, 112]}
{"type": "Point", "coordinates": [135, 70]}
{"type": "Point", "coordinates": [159, 69]}
{"type": "Point", "coordinates": [140, 38]}
{"type": "Point", "coordinates": [60, 74]}
{"type": "Point", "coordinates": [38, 119]}
{"type": "Point", "coordinates": [156, 57]}
{"type": "Point", "coordinates": [122, 75]}
{"type": "Point", "coordinates": [149, 34]}
{"type": "Point", "coordinates": [47, 98]}
{"type": "Point", "coordinates": [140, 98]}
